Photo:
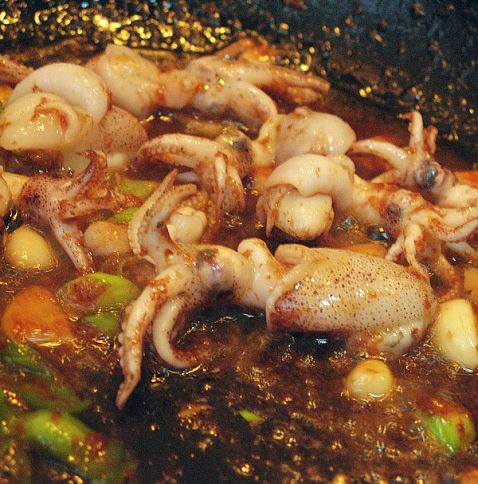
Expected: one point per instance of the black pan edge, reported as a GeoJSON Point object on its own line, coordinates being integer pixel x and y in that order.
{"type": "Point", "coordinates": [399, 54]}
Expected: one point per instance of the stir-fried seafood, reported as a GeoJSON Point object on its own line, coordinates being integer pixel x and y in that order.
{"type": "Point", "coordinates": [295, 288]}
{"type": "Point", "coordinates": [65, 108]}
{"type": "Point", "coordinates": [167, 248]}
{"type": "Point", "coordinates": [414, 167]}
{"type": "Point", "coordinates": [59, 202]}
{"type": "Point", "coordinates": [417, 226]}
{"type": "Point", "coordinates": [221, 164]}
{"type": "Point", "coordinates": [210, 84]}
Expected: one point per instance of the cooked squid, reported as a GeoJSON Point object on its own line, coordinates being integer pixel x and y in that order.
{"type": "Point", "coordinates": [59, 202]}
{"type": "Point", "coordinates": [415, 168]}
{"type": "Point", "coordinates": [171, 253]}
{"type": "Point", "coordinates": [300, 289]}
{"type": "Point", "coordinates": [299, 132]}
{"type": "Point", "coordinates": [64, 108]}
{"type": "Point", "coordinates": [222, 163]}
{"type": "Point", "coordinates": [210, 84]}
{"type": "Point", "coordinates": [418, 227]}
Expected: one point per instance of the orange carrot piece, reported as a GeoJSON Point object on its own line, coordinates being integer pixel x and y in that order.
{"type": "Point", "coordinates": [469, 177]}
{"type": "Point", "coordinates": [369, 248]}
{"type": "Point", "coordinates": [5, 91]}
{"type": "Point", "coordinates": [34, 314]}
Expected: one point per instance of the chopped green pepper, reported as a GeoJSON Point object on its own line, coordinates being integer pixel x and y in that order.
{"type": "Point", "coordinates": [35, 381]}
{"type": "Point", "coordinates": [69, 441]}
{"type": "Point", "coordinates": [48, 395]}
{"type": "Point", "coordinates": [14, 462]}
{"type": "Point", "coordinates": [108, 322]}
{"type": "Point", "coordinates": [455, 431]}
{"type": "Point", "coordinates": [251, 417]}
{"type": "Point", "coordinates": [449, 423]}
{"type": "Point", "coordinates": [98, 299]}
{"type": "Point", "coordinates": [24, 357]}
{"type": "Point", "coordinates": [98, 291]}
{"type": "Point", "coordinates": [141, 189]}
{"type": "Point", "coordinates": [119, 293]}
{"type": "Point", "coordinates": [124, 216]}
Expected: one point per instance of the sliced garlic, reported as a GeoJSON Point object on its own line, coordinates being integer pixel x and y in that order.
{"type": "Point", "coordinates": [455, 333]}
{"type": "Point", "coordinates": [27, 249]}
{"type": "Point", "coordinates": [106, 238]}
{"type": "Point", "coordinates": [369, 380]}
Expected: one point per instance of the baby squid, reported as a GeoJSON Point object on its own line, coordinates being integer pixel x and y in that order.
{"type": "Point", "coordinates": [305, 290]}
{"type": "Point", "coordinates": [65, 109]}
{"type": "Point", "coordinates": [212, 85]}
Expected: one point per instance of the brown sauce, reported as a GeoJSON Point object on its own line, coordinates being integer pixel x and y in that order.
{"type": "Point", "coordinates": [186, 426]}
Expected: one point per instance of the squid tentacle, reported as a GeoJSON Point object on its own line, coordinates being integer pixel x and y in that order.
{"type": "Point", "coordinates": [169, 284]}
{"type": "Point", "coordinates": [58, 202]}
